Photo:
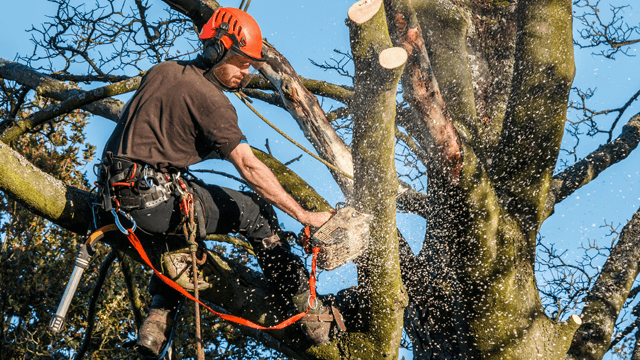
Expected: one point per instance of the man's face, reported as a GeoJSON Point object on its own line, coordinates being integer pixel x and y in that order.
{"type": "Point", "coordinates": [231, 72]}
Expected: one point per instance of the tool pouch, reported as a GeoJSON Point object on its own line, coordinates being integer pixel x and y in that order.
{"type": "Point", "coordinates": [177, 266]}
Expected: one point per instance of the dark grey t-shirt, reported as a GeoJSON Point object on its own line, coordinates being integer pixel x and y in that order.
{"type": "Point", "coordinates": [176, 118]}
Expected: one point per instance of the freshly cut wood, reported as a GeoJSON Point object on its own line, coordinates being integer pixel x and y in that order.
{"type": "Point", "coordinates": [576, 319]}
{"type": "Point", "coordinates": [392, 58]}
{"type": "Point", "coordinates": [363, 10]}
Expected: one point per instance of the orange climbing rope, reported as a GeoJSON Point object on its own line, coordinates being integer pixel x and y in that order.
{"type": "Point", "coordinates": [133, 239]}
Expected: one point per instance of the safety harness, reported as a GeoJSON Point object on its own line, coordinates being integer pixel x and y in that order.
{"type": "Point", "coordinates": [139, 187]}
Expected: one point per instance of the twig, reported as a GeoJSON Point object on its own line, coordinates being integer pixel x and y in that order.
{"type": "Point", "coordinates": [232, 240]}
{"type": "Point", "coordinates": [267, 146]}
{"type": "Point", "coordinates": [293, 160]}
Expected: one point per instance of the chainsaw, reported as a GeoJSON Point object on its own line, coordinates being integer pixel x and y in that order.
{"type": "Point", "coordinates": [341, 239]}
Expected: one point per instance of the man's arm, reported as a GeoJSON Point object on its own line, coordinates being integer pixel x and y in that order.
{"type": "Point", "coordinates": [265, 184]}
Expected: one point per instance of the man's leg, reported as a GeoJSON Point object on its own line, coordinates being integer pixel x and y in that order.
{"type": "Point", "coordinates": [156, 332]}
{"type": "Point", "coordinates": [230, 211]}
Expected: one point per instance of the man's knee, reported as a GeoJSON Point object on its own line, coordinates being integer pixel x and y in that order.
{"type": "Point", "coordinates": [261, 221]}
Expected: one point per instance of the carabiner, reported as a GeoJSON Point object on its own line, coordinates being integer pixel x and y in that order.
{"type": "Point", "coordinates": [119, 225]}
{"type": "Point", "coordinates": [150, 185]}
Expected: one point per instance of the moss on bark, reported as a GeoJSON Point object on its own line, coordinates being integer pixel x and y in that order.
{"type": "Point", "coordinates": [43, 194]}
{"type": "Point", "coordinates": [534, 124]}
{"type": "Point", "coordinates": [302, 192]}
{"type": "Point", "coordinates": [383, 297]}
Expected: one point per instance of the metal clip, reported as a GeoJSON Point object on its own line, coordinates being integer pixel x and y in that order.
{"type": "Point", "coordinates": [314, 305]}
{"type": "Point", "coordinates": [150, 185]}
{"type": "Point", "coordinates": [119, 225]}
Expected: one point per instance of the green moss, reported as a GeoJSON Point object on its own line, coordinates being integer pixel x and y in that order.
{"type": "Point", "coordinates": [375, 179]}
{"type": "Point", "coordinates": [302, 192]}
{"type": "Point", "coordinates": [372, 35]}
{"type": "Point", "coordinates": [324, 88]}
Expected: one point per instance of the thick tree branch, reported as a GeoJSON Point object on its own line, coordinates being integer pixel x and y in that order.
{"type": "Point", "coordinates": [608, 295]}
{"type": "Point", "coordinates": [444, 25]}
{"type": "Point", "coordinates": [57, 90]}
{"type": "Point", "coordinates": [302, 192]}
{"type": "Point", "coordinates": [322, 88]}
{"type": "Point", "coordinates": [42, 194]}
{"type": "Point", "coordinates": [421, 90]}
{"type": "Point", "coordinates": [306, 110]}
{"type": "Point", "coordinates": [9, 131]}
{"type": "Point", "coordinates": [587, 169]}
{"type": "Point", "coordinates": [199, 11]}
{"type": "Point", "coordinates": [378, 68]}
{"type": "Point", "coordinates": [532, 131]}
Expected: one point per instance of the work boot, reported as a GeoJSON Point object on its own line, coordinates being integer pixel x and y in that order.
{"type": "Point", "coordinates": [156, 333]}
{"type": "Point", "coordinates": [321, 322]}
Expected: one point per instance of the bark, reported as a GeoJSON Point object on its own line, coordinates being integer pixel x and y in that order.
{"type": "Point", "coordinates": [608, 295]}
{"type": "Point", "coordinates": [302, 192]}
{"type": "Point", "coordinates": [306, 110]}
{"type": "Point", "coordinates": [435, 130]}
{"type": "Point", "coordinates": [323, 88]}
{"type": "Point", "coordinates": [341, 93]}
{"type": "Point", "coordinates": [42, 194]}
{"type": "Point", "coordinates": [445, 25]}
{"type": "Point", "coordinates": [529, 144]}
{"type": "Point", "coordinates": [58, 90]}
{"type": "Point", "coordinates": [378, 68]}
{"type": "Point", "coordinates": [479, 273]}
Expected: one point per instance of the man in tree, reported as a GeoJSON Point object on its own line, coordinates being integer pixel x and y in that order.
{"type": "Point", "coordinates": [180, 116]}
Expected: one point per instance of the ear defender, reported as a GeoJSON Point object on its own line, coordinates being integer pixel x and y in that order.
{"type": "Point", "coordinates": [214, 52]}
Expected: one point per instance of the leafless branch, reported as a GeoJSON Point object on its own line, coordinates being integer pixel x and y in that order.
{"type": "Point", "coordinates": [597, 30]}
{"type": "Point", "coordinates": [108, 38]}
{"type": "Point", "coordinates": [338, 65]}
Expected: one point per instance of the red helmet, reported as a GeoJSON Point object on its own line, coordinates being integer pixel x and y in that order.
{"type": "Point", "coordinates": [238, 32]}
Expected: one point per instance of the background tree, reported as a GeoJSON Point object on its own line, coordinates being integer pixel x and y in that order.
{"type": "Point", "coordinates": [478, 129]}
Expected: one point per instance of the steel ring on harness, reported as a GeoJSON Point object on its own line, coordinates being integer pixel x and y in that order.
{"type": "Point", "coordinates": [117, 221]}
{"type": "Point", "coordinates": [314, 305]}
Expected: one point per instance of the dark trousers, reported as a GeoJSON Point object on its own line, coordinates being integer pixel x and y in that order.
{"type": "Point", "coordinates": [229, 211]}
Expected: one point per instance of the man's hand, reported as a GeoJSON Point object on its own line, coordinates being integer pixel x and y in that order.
{"type": "Point", "coordinates": [316, 219]}
{"type": "Point", "coordinates": [265, 184]}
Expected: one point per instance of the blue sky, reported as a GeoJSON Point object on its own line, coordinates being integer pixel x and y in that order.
{"type": "Point", "coordinates": [303, 30]}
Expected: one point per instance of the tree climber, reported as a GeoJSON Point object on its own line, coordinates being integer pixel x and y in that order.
{"type": "Point", "coordinates": [180, 116]}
